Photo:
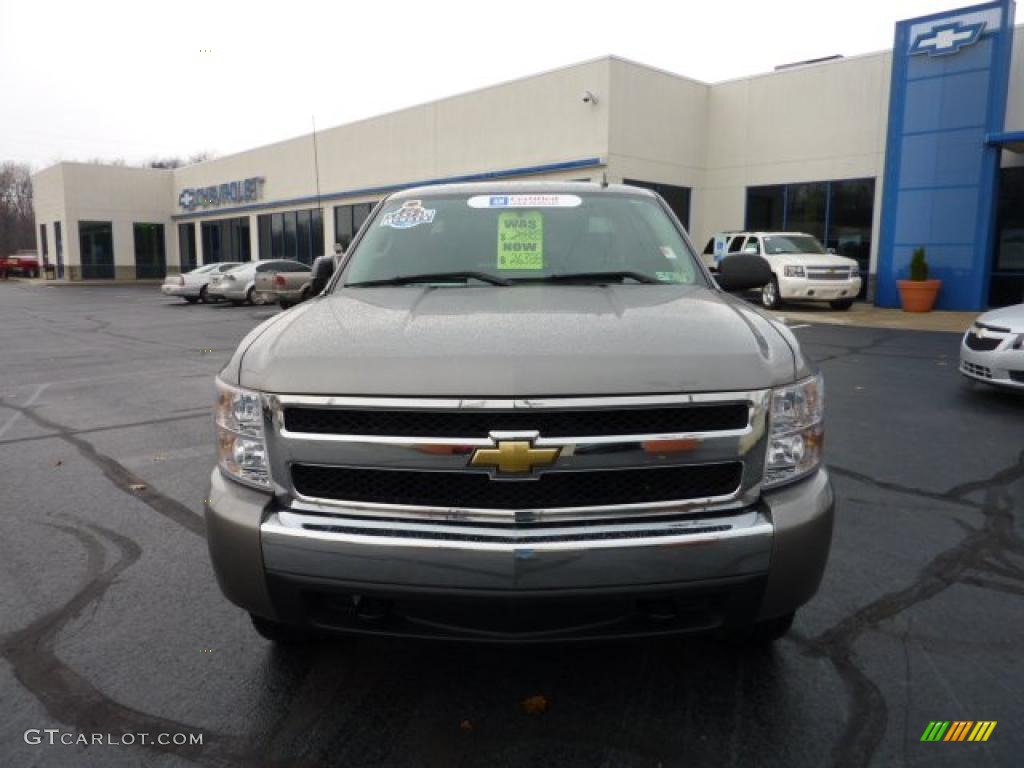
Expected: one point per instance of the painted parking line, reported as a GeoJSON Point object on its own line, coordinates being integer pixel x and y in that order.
{"type": "Point", "coordinates": [14, 417]}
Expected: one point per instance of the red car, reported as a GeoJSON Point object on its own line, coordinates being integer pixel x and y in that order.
{"type": "Point", "coordinates": [24, 263]}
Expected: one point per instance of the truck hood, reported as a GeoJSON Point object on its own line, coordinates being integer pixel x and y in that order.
{"type": "Point", "coordinates": [521, 341]}
{"type": "Point", "coordinates": [812, 259]}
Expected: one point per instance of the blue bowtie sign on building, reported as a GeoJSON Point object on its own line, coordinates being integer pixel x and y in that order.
{"type": "Point", "coordinates": [950, 75]}
{"type": "Point", "coordinates": [947, 39]}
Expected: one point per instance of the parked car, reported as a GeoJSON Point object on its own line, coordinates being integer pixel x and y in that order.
{"type": "Point", "coordinates": [24, 263]}
{"type": "Point", "coordinates": [238, 285]}
{"type": "Point", "coordinates": [521, 412]}
{"type": "Point", "coordinates": [801, 267]}
{"type": "Point", "coordinates": [192, 286]}
{"type": "Point", "coordinates": [287, 284]}
{"type": "Point", "coordinates": [992, 350]}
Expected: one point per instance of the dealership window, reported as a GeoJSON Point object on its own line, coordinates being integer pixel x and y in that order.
{"type": "Point", "coordinates": [678, 198]}
{"type": "Point", "coordinates": [226, 240]}
{"type": "Point", "coordinates": [43, 246]}
{"type": "Point", "coordinates": [295, 235]}
{"type": "Point", "coordinates": [348, 219]}
{"type": "Point", "coordinates": [187, 246]}
{"type": "Point", "coordinates": [1007, 285]}
{"type": "Point", "coordinates": [851, 206]}
{"type": "Point", "coordinates": [58, 246]}
{"type": "Point", "coordinates": [807, 208]}
{"type": "Point", "coordinates": [838, 213]}
{"type": "Point", "coordinates": [150, 256]}
{"type": "Point", "coordinates": [766, 208]}
{"type": "Point", "coordinates": [96, 243]}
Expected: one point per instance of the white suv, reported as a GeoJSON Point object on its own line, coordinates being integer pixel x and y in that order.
{"type": "Point", "coordinates": [801, 267]}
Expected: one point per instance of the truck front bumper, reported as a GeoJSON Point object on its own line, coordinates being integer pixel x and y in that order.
{"type": "Point", "coordinates": [818, 290]}
{"type": "Point", "coordinates": [632, 578]}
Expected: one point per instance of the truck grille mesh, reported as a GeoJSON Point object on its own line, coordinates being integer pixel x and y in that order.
{"type": "Point", "coordinates": [549, 490]}
{"type": "Point", "coordinates": [550, 423]}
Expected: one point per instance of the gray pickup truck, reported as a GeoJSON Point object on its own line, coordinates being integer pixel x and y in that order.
{"type": "Point", "coordinates": [521, 413]}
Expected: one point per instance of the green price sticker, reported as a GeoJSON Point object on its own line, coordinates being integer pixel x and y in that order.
{"type": "Point", "coordinates": [521, 240]}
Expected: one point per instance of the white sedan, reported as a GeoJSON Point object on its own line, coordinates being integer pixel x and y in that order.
{"type": "Point", "coordinates": [992, 350]}
{"type": "Point", "coordinates": [193, 286]}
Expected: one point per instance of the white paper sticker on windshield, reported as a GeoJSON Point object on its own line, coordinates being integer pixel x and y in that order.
{"type": "Point", "coordinates": [524, 201]}
{"type": "Point", "coordinates": [409, 215]}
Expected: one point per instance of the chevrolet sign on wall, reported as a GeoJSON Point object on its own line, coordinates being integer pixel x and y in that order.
{"type": "Point", "coordinates": [221, 194]}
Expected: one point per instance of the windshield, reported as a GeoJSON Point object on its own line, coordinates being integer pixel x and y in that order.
{"type": "Point", "coordinates": [507, 238]}
{"type": "Point", "coordinates": [792, 244]}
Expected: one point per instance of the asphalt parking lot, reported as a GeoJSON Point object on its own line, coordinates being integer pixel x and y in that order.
{"type": "Point", "coordinates": [112, 622]}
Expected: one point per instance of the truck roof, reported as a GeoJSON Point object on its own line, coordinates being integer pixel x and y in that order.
{"type": "Point", "coordinates": [518, 188]}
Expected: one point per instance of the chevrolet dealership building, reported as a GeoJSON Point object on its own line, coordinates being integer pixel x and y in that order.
{"type": "Point", "coordinates": [874, 154]}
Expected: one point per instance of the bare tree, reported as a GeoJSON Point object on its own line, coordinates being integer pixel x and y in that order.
{"type": "Point", "coordinates": [17, 222]}
{"type": "Point", "coordinates": [198, 157]}
{"type": "Point", "coordinates": [164, 162]}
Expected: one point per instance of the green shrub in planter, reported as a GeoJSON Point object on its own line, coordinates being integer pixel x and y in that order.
{"type": "Point", "coordinates": [918, 266]}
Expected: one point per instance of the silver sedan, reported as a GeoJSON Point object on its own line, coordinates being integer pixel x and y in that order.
{"type": "Point", "coordinates": [193, 286]}
{"type": "Point", "coordinates": [992, 350]}
{"type": "Point", "coordinates": [238, 285]}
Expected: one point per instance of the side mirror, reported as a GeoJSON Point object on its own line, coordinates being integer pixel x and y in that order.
{"type": "Point", "coordinates": [323, 269]}
{"type": "Point", "coordinates": [743, 272]}
{"type": "Point", "coordinates": [833, 251]}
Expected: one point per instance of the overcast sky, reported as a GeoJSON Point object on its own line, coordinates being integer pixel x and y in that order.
{"type": "Point", "coordinates": [86, 79]}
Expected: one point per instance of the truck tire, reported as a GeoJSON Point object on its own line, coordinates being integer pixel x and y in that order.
{"type": "Point", "coordinates": [841, 304]}
{"type": "Point", "coordinates": [771, 297]}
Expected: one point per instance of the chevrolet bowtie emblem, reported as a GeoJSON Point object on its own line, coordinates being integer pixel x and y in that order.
{"type": "Point", "coordinates": [514, 457]}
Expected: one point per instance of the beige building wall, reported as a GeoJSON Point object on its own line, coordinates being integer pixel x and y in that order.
{"type": "Point", "coordinates": [48, 202]}
{"type": "Point", "coordinates": [1015, 98]}
{"type": "Point", "coordinates": [657, 128]}
{"type": "Point", "coordinates": [76, 192]}
{"type": "Point", "coordinates": [538, 120]}
{"type": "Point", "coordinates": [817, 122]}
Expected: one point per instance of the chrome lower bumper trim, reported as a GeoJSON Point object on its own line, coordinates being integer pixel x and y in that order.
{"type": "Point", "coordinates": [495, 558]}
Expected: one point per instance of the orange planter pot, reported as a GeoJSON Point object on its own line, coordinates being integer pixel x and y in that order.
{"type": "Point", "coordinates": [918, 295]}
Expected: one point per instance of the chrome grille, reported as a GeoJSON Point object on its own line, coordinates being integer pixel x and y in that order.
{"type": "Point", "coordinates": [828, 273]}
{"type": "Point", "coordinates": [616, 456]}
{"type": "Point", "coordinates": [550, 423]}
{"type": "Point", "coordinates": [477, 490]}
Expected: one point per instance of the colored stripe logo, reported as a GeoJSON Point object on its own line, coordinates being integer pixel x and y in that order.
{"type": "Point", "coordinates": [958, 730]}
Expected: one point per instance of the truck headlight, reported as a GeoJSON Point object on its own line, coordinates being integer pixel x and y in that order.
{"type": "Point", "coordinates": [793, 271]}
{"type": "Point", "coordinates": [796, 434]}
{"type": "Point", "coordinates": [241, 447]}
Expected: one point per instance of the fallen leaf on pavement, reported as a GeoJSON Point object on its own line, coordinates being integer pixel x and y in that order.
{"type": "Point", "coordinates": [534, 705]}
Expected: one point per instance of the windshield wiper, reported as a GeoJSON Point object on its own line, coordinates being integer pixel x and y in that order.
{"type": "Point", "coordinates": [432, 277]}
{"type": "Point", "coordinates": [593, 277]}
